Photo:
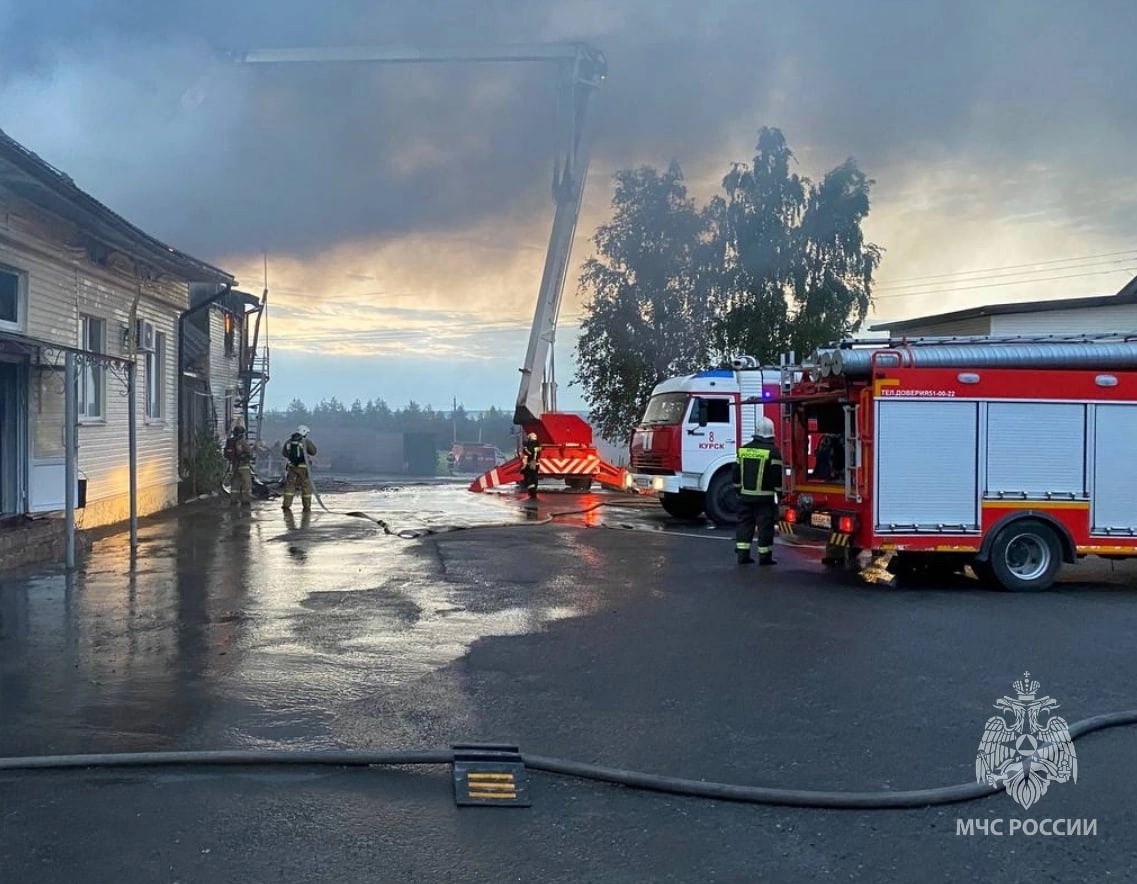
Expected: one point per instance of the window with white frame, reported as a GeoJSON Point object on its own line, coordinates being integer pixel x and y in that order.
{"type": "Point", "coordinates": [93, 377]}
{"type": "Point", "coordinates": [156, 379]}
{"type": "Point", "coordinates": [11, 297]}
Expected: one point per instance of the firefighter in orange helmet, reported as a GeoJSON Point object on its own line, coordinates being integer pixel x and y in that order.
{"type": "Point", "coordinates": [529, 459]}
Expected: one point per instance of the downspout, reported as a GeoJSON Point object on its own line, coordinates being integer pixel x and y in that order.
{"type": "Point", "coordinates": [132, 414]}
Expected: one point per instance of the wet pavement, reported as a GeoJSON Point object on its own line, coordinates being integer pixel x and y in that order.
{"type": "Point", "coordinates": [646, 648]}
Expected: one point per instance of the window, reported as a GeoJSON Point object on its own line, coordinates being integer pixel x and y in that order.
{"type": "Point", "coordinates": [717, 410]}
{"type": "Point", "coordinates": [230, 335]}
{"type": "Point", "coordinates": [665, 408]}
{"type": "Point", "coordinates": [156, 379]}
{"type": "Point", "coordinates": [11, 297]}
{"type": "Point", "coordinates": [93, 377]}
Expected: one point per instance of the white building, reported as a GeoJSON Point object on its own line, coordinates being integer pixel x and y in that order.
{"type": "Point", "coordinates": [72, 275]}
{"type": "Point", "coordinates": [1103, 314]}
{"type": "Point", "coordinates": [224, 365]}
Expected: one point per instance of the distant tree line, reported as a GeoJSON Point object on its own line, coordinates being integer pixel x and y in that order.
{"type": "Point", "coordinates": [775, 263]}
{"type": "Point", "coordinates": [493, 427]}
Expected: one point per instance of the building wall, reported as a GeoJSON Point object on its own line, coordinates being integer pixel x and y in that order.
{"type": "Point", "coordinates": [224, 370]}
{"type": "Point", "coordinates": [61, 284]}
{"type": "Point", "coordinates": [1095, 320]}
{"type": "Point", "coordinates": [978, 326]}
{"type": "Point", "coordinates": [1084, 321]}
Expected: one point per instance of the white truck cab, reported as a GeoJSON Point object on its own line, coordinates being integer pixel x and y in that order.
{"type": "Point", "coordinates": [685, 446]}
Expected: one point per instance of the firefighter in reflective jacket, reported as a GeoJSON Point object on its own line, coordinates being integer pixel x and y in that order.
{"type": "Point", "coordinates": [296, 451]}
{"type": "Point", "coordinates": [529, 460]}
{"type": "Point", "coordinates": [241, 457]}
{"type": "Point", "coordinates": [758, 474]}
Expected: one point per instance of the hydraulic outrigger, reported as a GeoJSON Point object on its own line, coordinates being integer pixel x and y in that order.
{"type": "Point", "coordinates": [566, 440]}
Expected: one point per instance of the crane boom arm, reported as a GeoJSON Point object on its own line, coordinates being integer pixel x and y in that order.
{"type": "Point", "coordinates": [585, 68]}
{"type": "Point", "coordinates": [419, 54]}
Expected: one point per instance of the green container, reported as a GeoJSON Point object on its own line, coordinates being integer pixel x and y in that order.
{"type": "Point", "coordinates": [420, 454]}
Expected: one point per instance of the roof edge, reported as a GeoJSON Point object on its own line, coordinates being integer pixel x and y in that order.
{"type": "Point", "coordinates": [1126, 295]}
{"type": "Point", "coordinates": [194, 269]}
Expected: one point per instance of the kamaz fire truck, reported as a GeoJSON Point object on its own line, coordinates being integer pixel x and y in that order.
{"type": "Point", "coordinates": [1011, 455]}
{"type": "Point", "coordinates": [684, 447]}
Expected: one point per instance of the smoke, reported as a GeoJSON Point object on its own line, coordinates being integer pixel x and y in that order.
{"type": "Point", "coordinates": [1027, 102]}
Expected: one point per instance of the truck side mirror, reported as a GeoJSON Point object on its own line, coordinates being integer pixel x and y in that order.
{"type": "Point", "coordinates": [701, 412]}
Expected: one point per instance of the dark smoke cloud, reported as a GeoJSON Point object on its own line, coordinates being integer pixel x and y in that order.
{"type": "Point", "coordinates": [127, 97]}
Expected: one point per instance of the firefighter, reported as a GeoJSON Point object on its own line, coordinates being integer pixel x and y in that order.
{"type": "Point", "coordinates": [758, 473]}
{"type": "Point", "coordinates": [242, 463]}
{"type": "Point", "coordinates": [296, 452]}
{"type": "Point", "coordinates": [530, 456]}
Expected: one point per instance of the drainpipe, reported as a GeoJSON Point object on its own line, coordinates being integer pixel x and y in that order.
{"type": "Point", "coordinates": [132, 417]}
{"type": "Point", "coordinates": [70, 440]}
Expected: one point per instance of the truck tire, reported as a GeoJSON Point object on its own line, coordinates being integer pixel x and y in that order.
{"type": "Point", "coordinates": [1026, 556]}
{"type": "Point", "coordinates": [722, 500]}
{"type": "Point", "coordinates": [684, 505]}
{"type": "Point", "coordinates": [579, 483]}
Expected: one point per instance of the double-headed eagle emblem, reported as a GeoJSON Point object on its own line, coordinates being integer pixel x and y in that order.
{"type": "Point", "coordinates": [1026, 754]}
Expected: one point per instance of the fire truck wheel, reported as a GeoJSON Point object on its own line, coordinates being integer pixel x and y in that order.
{"type": "Point", "coordinates": [722, 500]}
{"type": "Point", "coordinates": [684, 505]}
{"type": "Point", "coordinates": [1025, 556]}
{"type": "Point", "coordinates": [579, 483]}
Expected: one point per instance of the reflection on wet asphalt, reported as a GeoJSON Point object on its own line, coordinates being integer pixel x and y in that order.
{"type": "Point", "coordinates": [265, 628]}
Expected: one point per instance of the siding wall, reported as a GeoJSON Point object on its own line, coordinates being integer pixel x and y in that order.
{"type": "Point", "coordinates": [1096, 320]}
{"type": "Point", "coordinates": [61, 284]}
{"type": "Point", "coordinates": [1091, 320]}
{"type": "Point", "coordinates": [224, 371]}
{"type": "Point", "coordinates": [978, 326]}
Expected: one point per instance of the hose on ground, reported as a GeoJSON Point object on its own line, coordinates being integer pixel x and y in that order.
{"type": "Point", "coordinates": [803, 798]}
{"type": "Point", "coordinates": [427, 530]}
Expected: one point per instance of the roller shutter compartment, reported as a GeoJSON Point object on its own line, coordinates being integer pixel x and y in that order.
{"type": "Point", "coordinates": [926, 476]}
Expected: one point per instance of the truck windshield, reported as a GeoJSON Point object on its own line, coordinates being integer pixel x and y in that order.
{"type": "Point", "coordinates": [666, 408]}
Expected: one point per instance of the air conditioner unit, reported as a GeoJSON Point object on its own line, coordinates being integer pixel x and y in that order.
{"type": "Point", "coordinates": [145, 335]}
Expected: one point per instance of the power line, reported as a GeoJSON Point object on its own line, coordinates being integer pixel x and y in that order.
{"type": "Point", "coordinates": [996, 270]}
{"type": "Point", "coordinates": [992, 285]}
{"type": "Point", "coordinates": [1021, 275]}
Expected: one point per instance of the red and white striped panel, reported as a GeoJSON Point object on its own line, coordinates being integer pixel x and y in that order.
{"type": "Point", "coordinates": [488, 480]}
{"type": "Point", "coordinates": [570, 466]}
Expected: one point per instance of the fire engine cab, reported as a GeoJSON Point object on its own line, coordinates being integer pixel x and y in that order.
{"type": "Point", "coordinates": [1011, 455]}
{"type": "Point", "coordinates": [684, 447]}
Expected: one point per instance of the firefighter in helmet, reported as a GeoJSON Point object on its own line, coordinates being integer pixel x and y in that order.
{"type": "Point", "coordinates": [758, 474]}
{"type": "Point", "coordinates": [241, 459]}
{"type": "Point", "coordinates": [529, 458]}
{"type": "Point", "coordinates": [296, 452]}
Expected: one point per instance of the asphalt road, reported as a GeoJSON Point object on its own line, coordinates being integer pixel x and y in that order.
{"type": "Point", "coordinates": [647, 648]}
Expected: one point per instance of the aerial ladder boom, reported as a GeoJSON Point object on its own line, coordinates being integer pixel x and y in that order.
{"type": "Point", "coordinates": [567, 446]}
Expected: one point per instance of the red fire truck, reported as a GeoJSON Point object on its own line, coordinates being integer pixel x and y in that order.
{"type": "Point", "coordinates": [1011, 455]}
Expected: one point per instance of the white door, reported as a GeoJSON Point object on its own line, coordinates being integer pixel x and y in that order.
{"type": "Point", "coordinates": [702, 446]}
{"type": "Point", "coordinates": [46, 464]}
{"type": "Point", "coordinates": [926, 466]}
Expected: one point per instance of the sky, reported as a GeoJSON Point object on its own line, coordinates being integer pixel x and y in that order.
{"type": "Point", "coordinates": [405, 209]}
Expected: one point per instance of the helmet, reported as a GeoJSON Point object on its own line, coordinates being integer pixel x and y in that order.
{"type": "Point", "coordinates": [238, 430]}
{"type": "Point", "coordinates": [532, 437]}
{"type": "Point", "coordinates": [303, 430]}
{"type": "Point", "coordinates": [764, 428]}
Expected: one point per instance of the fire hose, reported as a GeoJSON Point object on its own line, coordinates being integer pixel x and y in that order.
{"type": "Point", "coordinates": [805, 798]}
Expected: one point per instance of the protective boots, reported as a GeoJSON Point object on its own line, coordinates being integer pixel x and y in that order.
{"type": "Point", "coordinates": [766, 558]}
{"type": "Point", "coordinates": [744, 558]}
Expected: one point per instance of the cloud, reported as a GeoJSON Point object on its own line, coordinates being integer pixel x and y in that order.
{"type": "Point", "coordinates": [998, 133]}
